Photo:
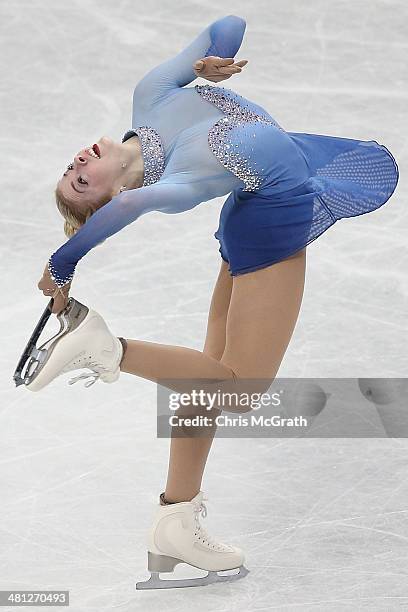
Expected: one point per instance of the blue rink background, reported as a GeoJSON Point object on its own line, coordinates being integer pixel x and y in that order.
{"type": "Point", "coordinates": [322, 521]}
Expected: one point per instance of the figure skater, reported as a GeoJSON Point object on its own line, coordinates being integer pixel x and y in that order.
{"type": "Point", "coordinates": [284, 189]}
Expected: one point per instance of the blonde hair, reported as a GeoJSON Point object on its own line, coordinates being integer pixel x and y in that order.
{"type": "Point", "coordinates": [75, 216]}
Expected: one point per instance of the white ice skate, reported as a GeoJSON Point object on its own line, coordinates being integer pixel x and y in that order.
{"type": "Point", "coordinates": [177, 537]}
{"type": "Point", "coordinates": [83, 341]}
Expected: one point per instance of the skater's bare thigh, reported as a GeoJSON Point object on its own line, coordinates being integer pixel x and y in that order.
{"type": "Point", "coordinates": [262, 315]}
{"type": "Point", "coordinates": [217, 317]}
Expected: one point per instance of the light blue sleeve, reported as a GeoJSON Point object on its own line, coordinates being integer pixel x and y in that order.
{"type": "Point", "coordinates": [123, 209]}
{"type": "Point", "coordinates": [171, 195]}
{"type": "Point", "coordinates": [221, 38]}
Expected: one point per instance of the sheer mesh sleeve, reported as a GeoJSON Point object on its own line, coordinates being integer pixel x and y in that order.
{"type": "Point", "coordinates": [172, 194]}
{"type": "Point", "coordinates": [222, 38]}
{"type": "Point", "coordinates": [123, 209]}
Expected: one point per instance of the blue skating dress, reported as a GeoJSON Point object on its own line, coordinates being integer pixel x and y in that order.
{"type": "Point", "coordinates": [284, 188]}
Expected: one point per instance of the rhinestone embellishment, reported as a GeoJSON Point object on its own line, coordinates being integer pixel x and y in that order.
{"type": "Point", "coordinates": [219, 140]}
{"type": "Point", "coordinates": [152, 152]}
{"type": "Point", "coordinates": [58, 280]}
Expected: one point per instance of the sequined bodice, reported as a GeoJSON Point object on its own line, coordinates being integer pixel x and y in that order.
{"type": "Point", "coordinates": [220, 139]}
{"type": "Point", "coordinates": [152, 152]}
{"type": "Point", "coordinates": [224, 141]}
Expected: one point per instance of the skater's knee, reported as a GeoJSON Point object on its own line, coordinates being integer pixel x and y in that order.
{"type": "Point", "coordinates": [242, 389]}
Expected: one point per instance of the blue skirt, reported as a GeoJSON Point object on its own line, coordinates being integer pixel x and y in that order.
{"type": "Point", "coordinates": [346, 178]}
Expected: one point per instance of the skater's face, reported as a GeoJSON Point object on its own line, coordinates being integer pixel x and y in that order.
{"type": "Point", "coordinates": [88, 178]}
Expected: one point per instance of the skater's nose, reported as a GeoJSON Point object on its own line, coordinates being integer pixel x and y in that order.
{"type": "Point", "coordinates": [80, 159]}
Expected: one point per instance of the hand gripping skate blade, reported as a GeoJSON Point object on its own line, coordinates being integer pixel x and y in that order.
{"type": "Point", "coordinates": [155, 582]}
{"type": "Point", "coordinates": [35, 358]}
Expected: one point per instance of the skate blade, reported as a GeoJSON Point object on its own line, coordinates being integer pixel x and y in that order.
{"type": "Point", "coordinates": [31, 348]}
{"type": "Point", "coordinates": [34, 358]}
{"type": "Point", "coordinates": [155, 582]}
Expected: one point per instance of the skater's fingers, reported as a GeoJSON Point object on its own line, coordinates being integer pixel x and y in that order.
{"type": "Point", "coordinates": [44, 284]}
{"type": "Point", "coordinates": [59, 304]}
{"type": "Point", "coordinates": [241, 63]}
{"type": "Point", "coordinates": [205, 63]}
{"type": "Point", "coordinates": [225, 61]}
{"type": "Point", "coordinates": [50, 289]}
{"type": "Point", "coordinates": [229, 69]}
{"type": "Point", "coordinates": [210, 64]}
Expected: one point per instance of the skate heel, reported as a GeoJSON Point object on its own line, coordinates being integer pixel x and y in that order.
{"type": "Point", "coordinates": [161, 563]}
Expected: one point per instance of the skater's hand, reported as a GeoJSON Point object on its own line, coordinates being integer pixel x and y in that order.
{"type": "Point", "coordinates": [51, 290]}
{"type": "Point", "coordinates": [213, 68]}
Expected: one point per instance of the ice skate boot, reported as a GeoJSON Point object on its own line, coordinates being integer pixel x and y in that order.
{"type": "Point", "coordinates": [177, 537]}
{"type": "Point", "coordinates": [83, 341]}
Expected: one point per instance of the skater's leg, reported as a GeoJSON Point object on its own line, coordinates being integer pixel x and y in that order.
{"type": "Point", "coordinates": [261, 319]}
{"type": "Point", "coordinates": [188, 456]}
{"type": "Point", "coordinates": [159, 361]}
{"type": "Point", "coordinates": [217, 318]}
{"type": "Point", "coordinates": [262, 314]}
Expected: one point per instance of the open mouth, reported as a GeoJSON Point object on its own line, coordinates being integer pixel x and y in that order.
{"type": "Point", "coordinates": [94, 151]}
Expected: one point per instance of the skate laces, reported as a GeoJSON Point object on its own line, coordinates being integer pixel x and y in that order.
{"type": "Point", "coordinates": [94, 375]}
{"type": "Point", "coordinates": [202, 509]}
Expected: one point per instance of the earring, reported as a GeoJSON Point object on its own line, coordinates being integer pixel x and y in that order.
{"type": "Point", "coordinates": [124, 165]}
{"type": "Point", "coordinates": [122, 188]}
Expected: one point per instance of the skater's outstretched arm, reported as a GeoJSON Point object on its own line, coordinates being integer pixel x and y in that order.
{"type": "Point", "coordinates": [165, 196]}
{"type": "Point", "coordinates": [222, 38]}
